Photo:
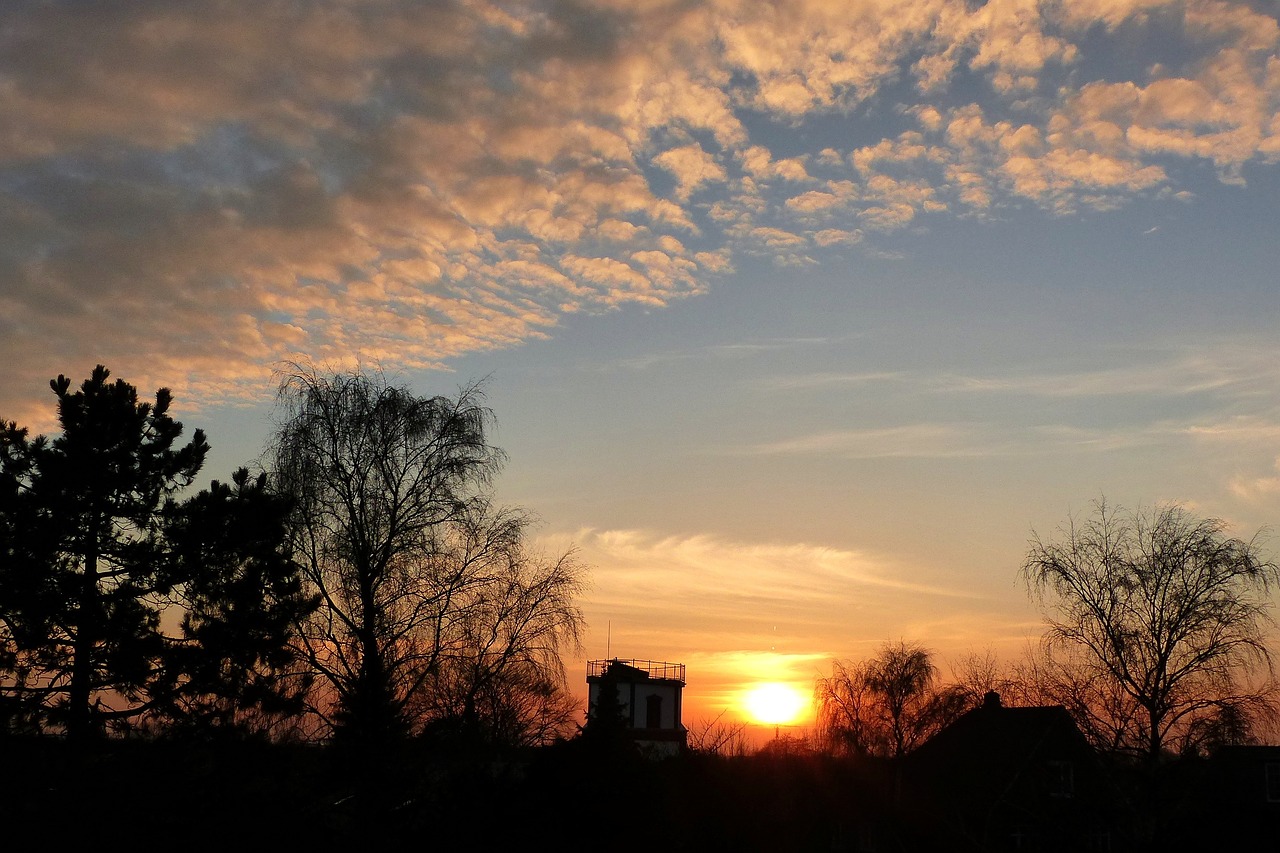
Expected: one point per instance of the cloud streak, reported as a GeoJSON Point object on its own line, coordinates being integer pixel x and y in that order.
{"type": "Point", "coordinates": [1236, 367]}
{"type": "Point", "coordinates": [771, 611]}
{"type": "Point", "coordinates": [722, 592]}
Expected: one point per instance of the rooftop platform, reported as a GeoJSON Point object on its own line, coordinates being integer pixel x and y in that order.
{"type": "Point", "coordinates": [655, 669]}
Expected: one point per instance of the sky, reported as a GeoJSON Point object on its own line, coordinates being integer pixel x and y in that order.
{"type": "Point", "coordinates": [798, 319]}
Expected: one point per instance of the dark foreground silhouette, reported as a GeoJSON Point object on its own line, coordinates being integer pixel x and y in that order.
{"type": "Point", "coordinates": [450, 796]}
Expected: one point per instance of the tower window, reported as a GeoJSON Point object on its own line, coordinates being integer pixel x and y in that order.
{"type": "Point", "coordinates": [653, 712]}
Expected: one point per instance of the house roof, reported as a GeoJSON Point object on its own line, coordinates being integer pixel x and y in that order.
{"type": "Point", "coordinates": [999, 774]}
{"type": "Point", "coordinates": [996, 735]}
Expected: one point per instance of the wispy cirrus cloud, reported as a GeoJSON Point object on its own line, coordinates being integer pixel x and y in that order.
{"type": "Point", "coordinates": [1228, 368]}
{"type": "Point", "coordinates": [771, 611]}
{"type": "Point", "coordinates": [213, 188]}
{"type": "Point", "coordinates": [1208, 406]}
{"type": "Point", "coordinates": [711, 592]}
{"type": "Point", "coordinates": [1259, 489]}
{"type": "Point", "coordinates": [735, 350]}
{"type": "Point", "coordinates": [1249, 429]}
{"type": "Point", "coordinates": [1228, 371]}
{"type": "Point", "coordinates": [979, 439]}
{"type": "Point", "coordinates": [1002, 438]}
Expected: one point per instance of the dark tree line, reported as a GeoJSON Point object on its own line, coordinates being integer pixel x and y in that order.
{"type": "Point", "coordinates": [365, 585]}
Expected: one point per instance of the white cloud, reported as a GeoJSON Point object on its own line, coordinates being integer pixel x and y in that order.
{"type": "Point", "coordinates": [1241, 429]}
{"type": "Point", "coordinates": [707, 585]}
{"type": "Point", "coordinates": [1258, 489]}
{"type": "Point", "coordinates": [741, 612]}
{"type": "Point", "coordinates": [691, 166]}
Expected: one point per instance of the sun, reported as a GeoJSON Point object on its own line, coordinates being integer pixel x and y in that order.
{"type": "Point", "coordinates": [774, 704]}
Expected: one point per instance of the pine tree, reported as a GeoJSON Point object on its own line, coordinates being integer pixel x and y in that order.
{"type": "Point", "coordinates": [95, 548]}
{"type": "Point", "coordinates": [232, 666]}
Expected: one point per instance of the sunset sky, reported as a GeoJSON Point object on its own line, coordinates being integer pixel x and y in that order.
{"type": "Point", "coordinates": [797, 317]}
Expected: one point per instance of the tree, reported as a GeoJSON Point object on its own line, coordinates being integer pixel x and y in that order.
{"type": "Point", "coordinates": [886, 706]}
{"type": "Point", "coordinates": [500, 675]}
{"type": "Point", "coordinates": [1156, 625]}
{"type": "Point", "coordinates": [429, 598]}
{"type": "Point", "coordinates": [718, 736]}
{"type": "Point", "coordinates": [81, 548]}
{"type": "Point", "coordinates": [607, 733]}
{"type": "Point", "coordinates": [1102, 710]}
{"type": "Point", "coordinates": [88, 566]}
{"type": "Point", "coordinates": [232, 668]}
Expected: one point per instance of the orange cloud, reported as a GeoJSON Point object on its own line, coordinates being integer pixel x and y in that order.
{"type": "Point", "coordinates": [231, 186]}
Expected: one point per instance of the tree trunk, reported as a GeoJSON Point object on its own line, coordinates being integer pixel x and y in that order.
{"type": "Point", "coordinates": [1155, 719]}
{"type": "Point", "coordinates": [373, 716]}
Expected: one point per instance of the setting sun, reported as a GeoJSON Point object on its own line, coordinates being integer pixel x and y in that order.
{"type": "Point", "coordinates": [774, 704]}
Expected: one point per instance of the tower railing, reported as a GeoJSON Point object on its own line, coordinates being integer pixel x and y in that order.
{"type": "Point", "coordinates": [653, 668]}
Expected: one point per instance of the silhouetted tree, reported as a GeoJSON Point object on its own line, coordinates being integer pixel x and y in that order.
{"type": "Point", "coordinates": [1102, 709]}
{"type": "Point", "coordinates": [499, 670]}
{"type": "Point", "coordinates": [607, 733]}
{"type": "Point", "coordinates": [431, 603]}
{"type": "Point", "coordinates": [718, 736]}
{"type": "Point", "coordinates": [885, 706]}
{"type": "Point", "coordinates": [233, 667]}
{"type": "Point", "coordinates": [82, 549]}
{"type": "Point", "coordinates": [976, 674]}
{"type": "Point", "coordinates": [607, 712]}
{"type": "Point", "coordinates": [1156, 625]}
{"type": "Point", "coordinates": [94, 548]}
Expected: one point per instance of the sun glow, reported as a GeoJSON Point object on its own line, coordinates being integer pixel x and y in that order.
{"type": "Point", "coordinates": [774, 704]}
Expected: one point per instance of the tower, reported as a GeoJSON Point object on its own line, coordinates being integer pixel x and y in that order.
{"type": "Point", "coordinates": [647, 704]}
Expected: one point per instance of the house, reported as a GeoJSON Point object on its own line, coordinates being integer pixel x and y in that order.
{"type": "Point", "coordinates": [1230, 800]}
{"type": "Point", "coordinates": [642, 698]}
{"type": "Point", "coordinates": [1002, 778]}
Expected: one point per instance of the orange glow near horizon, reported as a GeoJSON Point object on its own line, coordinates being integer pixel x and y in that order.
{"type": "Point", "coordinates": [774, 703]}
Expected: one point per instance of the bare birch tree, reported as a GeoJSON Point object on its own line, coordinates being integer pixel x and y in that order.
{"type": "Point", "coordinates": [1157, 626]}
{"type": "Point", "coordinates": [886, 706]}
{"type": "Point", "coordinates": [427, 589]}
